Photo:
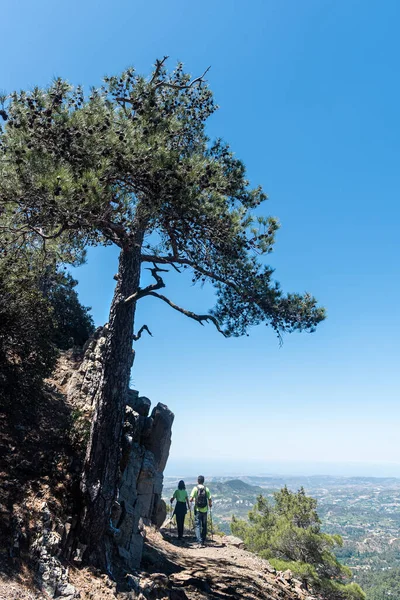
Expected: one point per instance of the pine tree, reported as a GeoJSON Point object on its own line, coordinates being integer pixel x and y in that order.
{"type": "Point", "coordinates": [40, 314]}
{"type": "Point", "coordinates": [131, 165]}
{"type": "Point", "coordinates": [288, 533]}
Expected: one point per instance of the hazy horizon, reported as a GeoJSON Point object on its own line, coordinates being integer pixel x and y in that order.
{"type": "Point", "coordinates": [212, 468]}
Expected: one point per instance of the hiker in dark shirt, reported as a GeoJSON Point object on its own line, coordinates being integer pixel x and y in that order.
{"type": "Point", "coordinates": [181, 507]}
{"type": "Point", "coordinates": [202, 497]}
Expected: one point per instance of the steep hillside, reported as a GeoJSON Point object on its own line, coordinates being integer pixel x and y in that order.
{"type": "Point", "coordinates": [223, 569]}
{"type": "Point", "coordinates": [42, 444]}
{"type": "Point", "coordinates": [172, 571]}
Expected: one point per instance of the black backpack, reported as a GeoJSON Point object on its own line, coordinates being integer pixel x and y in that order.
{"type": "Point", "coordinates": [201, 500]}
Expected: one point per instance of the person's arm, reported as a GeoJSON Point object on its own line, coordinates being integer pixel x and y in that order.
{"type": "Point", "coordinates": [172, 499]}
{"type": "Point", "coordinates": [209, 499]}
{"type": "Point", "coordinates": [193, 494]}
{"type": "Point", "coordinates": [187, 501]}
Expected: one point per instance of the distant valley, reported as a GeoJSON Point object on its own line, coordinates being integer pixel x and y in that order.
{"type": "Point", "coordinates": [365, 511]}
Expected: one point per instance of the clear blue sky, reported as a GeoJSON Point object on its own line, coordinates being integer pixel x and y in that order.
{"type": "Point", "coordinates": [309, 94]}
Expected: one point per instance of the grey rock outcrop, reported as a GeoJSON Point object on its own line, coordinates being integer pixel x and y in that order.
{"type": "Point", "coordinates": [82, 382]}
{"type": "Point", "coordinates": [145, 448]}
{"type": "Point", "coordinates": [232, 540]}
{"type": "Point", "coordinates": [51, 573]}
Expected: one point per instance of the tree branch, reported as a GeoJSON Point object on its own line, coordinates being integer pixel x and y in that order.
{"type": "Point", "coordinates": [159, 65]}
{"type": "Point", "coordinates": [43, 235]}
{"type": "Point", "coordinates": [154, 286]}
{"type": "Point", "coordinates": [138, 335]}
{"type": "Point", "coordinates": [176, 268]}
{"type": "Point", "coordinates": [182, 87]}
{"type": "Point", "coordinates": [185, 261]}
{"type": "Point", "coordinates": [188, 313]}
{"type": "Point", "coordinates": [172, 239]}
{"type": "Point", "coordinates": [118, 233]}
{"type": "Point", "coordinates": [161, 84]}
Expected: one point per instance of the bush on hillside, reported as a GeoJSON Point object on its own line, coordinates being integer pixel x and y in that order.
{"type": "Point", "coordinates": [27, 353]}
{"type": "Point", "coordinates": [73, 322]}
{"type": "Point", "coordinates": [288, 534]}
{"type": "Point", "coordinates": [39, 314]}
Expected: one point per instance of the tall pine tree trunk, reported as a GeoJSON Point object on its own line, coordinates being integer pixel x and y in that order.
{"type": "Point", "coordinates": [101, 468]}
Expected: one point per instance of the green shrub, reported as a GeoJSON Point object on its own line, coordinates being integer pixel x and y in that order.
{"type": "Point", "coordinates": [39, 314]}
{"type": "Point", "coordinates": [288, 534]}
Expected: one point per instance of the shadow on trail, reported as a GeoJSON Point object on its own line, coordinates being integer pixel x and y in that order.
{"type": "Point", "coordinates": [215, 576]}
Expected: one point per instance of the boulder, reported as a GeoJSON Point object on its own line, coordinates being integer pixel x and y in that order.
{"type": "Point", "coordinates": [159, 440]}
{"type": "Point", "coordinates": [160, 513]}
{"type": "Point", "coordinates": [146, 442]}
{"type": "Point", "coordinates": [140, 404]}
{"type": "Point", "coordinates": [232, 540]}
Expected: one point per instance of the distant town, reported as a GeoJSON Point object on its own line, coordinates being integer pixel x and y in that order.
{"type": "Point", "coordinates": [365, 511]}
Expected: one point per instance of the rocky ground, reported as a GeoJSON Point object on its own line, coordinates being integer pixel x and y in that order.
{"type": "Point", "coordinates": [176, 571]}
{"type": "Point", "coordinates": [41, 449]}
{"type": "Point", "coordinates": [223, 569]}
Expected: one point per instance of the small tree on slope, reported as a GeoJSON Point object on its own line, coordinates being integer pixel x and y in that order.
{"type": "Point", "coordinates": [131, 165]}
{"type": "Point", "coordinates": [39, 314]}
{"type": "Point", "coordinates": [288, 533]}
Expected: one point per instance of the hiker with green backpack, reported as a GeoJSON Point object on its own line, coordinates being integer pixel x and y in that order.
{"type": "Point", "coordinates": [202, 497]}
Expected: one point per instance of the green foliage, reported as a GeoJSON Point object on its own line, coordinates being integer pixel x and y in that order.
{"type": "Point", "coordinates": [73, 323]}
{"type": "Point", "coordinates": [26, 327]}
{"type": "Point", "coordinates": [130, 164]}
{"type": "Point", "coordinates": [380, 585]}
{"type": "Point", "coordinates": [80, 430]}
{"type": "Point", "coordinates": [39, 314]}
{"type": "Point", "coordinates": [288, 534]}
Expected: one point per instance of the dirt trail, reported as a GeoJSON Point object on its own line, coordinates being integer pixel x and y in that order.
{"type": "Point", "coordinates": [39, 464]}
{"type": "Point", "coordinates": [219, 571]}
{"type": "Point", "coordinates": [173, 570]}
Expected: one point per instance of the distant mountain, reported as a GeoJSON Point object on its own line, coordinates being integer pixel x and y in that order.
{"type": "Point", "coordinates": [241, 486]}
{"type": "Point", "coordinates": [365, 511]}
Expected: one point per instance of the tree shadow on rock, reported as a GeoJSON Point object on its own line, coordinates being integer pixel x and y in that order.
{"type": "Point", "coordinates": [216, 577]}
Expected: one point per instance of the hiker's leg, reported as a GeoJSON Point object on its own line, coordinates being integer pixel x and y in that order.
{"type": "Point", "coordinates": [197, 521]}
{"type": "Point", "coordinates": [204, 532]}
{"type": "Point", "coordinates": [180, 518]}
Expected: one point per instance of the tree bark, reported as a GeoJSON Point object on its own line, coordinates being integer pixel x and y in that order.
{"type": "Point", "coordinates": [101, 467]}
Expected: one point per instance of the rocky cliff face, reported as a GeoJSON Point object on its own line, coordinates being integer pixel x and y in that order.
{"type": "Point", "coordinates": [146, 444]}
{"type": "Point", "coordinates": [145, 449]}
{"type": "Point", "coordinates": [41, 449]}
{"type": "Point", "coordinates": [41, 452]}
